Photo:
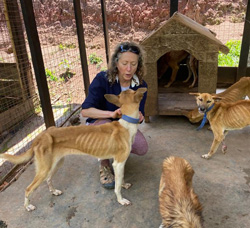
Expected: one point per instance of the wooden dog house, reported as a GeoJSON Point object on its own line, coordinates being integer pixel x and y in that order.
{"type": "Point", "coordinates": [180, 33]}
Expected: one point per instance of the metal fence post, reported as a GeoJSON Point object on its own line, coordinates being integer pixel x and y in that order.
{"type": "Point", "coordinates": [81, 42]}
{"type": "Point", "coordinates": [242, 69]}
{"type": "Point", "coordinates": [37, 59]}
{"type": "Point", "coordinates": [173, 7]}
{"type": "Point", "coordinates": [105, 29]}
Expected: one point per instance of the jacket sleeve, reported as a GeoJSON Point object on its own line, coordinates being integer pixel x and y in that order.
{"type": "Point", "coordinates": [95, 98]}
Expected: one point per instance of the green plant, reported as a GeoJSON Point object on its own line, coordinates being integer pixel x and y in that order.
{"type": "Point", "coordinates": [64, 46]}
{"type": "Point", "coordinates": [50, 75]}
{"type": "Point", "coordinates": [67, 74]}
{"type": "Point", "coordinates": [232, 58]}
{"type": "Point", "coordinates": [94, 59]}
{"type": "Point", "coordinates": [103, 68]}
{"type": "Point", "coordinates": [65, 64]}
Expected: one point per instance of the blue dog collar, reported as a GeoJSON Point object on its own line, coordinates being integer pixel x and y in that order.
{"type": "Point", "coordinates": [130, 119]}
{"type": "Point", "coordinates": [204, 118]}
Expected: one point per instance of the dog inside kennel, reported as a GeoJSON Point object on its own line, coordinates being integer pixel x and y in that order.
{"type": "Point", "coordinates": [177, 70]}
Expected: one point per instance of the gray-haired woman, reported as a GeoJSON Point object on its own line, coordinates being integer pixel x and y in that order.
{"type": "Point", "coordinates": [126, 71]}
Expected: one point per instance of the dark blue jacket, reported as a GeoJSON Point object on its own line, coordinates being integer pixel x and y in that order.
{"type": "Point", "coordinates": [100, 86]}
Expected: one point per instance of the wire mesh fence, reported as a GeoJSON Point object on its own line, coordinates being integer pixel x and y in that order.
{"type": "Point", "coordinates": [21, 117]}
{"type": "Point", "coordinates": [60, 50]}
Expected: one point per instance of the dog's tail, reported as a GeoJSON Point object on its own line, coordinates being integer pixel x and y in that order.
{"type": "Point", "coordinates": [18, 159]}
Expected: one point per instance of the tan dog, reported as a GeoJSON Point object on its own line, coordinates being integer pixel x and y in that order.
{"type": "Point", "coordinates": [237, 91]}
{"type": "Point", "coordinates": [179, 205]}
{"type": "Point", "coordinates": [222, 117]}
{"type": "Point", "coordinates": [110, 140]}
{"type": "Point", "coordinates": [172, 59]}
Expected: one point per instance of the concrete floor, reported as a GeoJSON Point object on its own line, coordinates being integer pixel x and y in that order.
{"type": "Point", "coordinates": [222, 184]}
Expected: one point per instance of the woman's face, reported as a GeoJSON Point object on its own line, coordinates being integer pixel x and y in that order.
{"type": "Point", "coordinates": [127, 66]}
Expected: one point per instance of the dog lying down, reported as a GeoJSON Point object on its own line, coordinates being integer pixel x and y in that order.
{"type": "Point", "coordinates": [110, 140]}
{"type": "Point", "coordinates": [179, 205]}
{"type": "Point", "coordinates": [223, 117]}
{"type": "Point", "coordinates": [238, 91]}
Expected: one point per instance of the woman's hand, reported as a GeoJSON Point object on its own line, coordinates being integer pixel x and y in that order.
{"type": "Point", "coordinates": [141, 117]}
{"type": "Point", "coordinates": [116, 114]}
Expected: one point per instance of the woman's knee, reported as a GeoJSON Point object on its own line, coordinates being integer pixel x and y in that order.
{"type": "Point", "coordinates": [140, 145]}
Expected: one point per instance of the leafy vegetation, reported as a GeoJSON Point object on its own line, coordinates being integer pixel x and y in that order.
{"type": "Point", "coordinates": [65, 65]}
{"type": "Point", "coordinates": [232, 58]}
{"type": "Point", "coordinates": [64, 46]}
{"type": "Point", "coordinates": [94, 59]}
{"type": "Point", "coordinates": [50, 75]}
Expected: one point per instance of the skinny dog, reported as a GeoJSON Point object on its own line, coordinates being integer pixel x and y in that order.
{"type": "Point", "coordinates": [237, 91]}
{"type": "Point", "coordinates": [222, 117]}
{"type": "Point", "coordinates": [179, 205]}
{"type": "Point", "coordinates": [172, 59]}
{"type": "Point", "coordinates": [110, 140]}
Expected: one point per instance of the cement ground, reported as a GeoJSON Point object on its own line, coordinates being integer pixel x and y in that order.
{"type": "Point", "coordinates": [222, 184]}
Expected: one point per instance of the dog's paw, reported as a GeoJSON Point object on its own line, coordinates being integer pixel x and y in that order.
{"type": "Point", "coordinates": [224, 149]}
{"type": "Point", "coordinates": [206, 156]}
{"type": "Point", "coordinates": [30, 207]}
{"type": "Point", "coordinates": [126, 185]}
{"type": "Point", "coordinates": [167, 86]}
{"type": "Point", "coordinates": [124, 202]}
{"type": "Point", "coordinates": [56, 192]}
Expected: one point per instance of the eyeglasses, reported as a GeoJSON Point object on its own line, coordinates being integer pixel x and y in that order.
{"type": "Point", "coordinates": [133, 49]}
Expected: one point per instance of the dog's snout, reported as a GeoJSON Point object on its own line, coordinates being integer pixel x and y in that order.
{"type": "Point", "coordinates": [202, 109]}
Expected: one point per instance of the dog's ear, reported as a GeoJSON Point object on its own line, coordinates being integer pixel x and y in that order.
{"type": "Point", "coordinates": [195, 94]}
{"type": "Point", "coordinates": [139, 94]}
{"type": "Point", "coordinates": [113, 99]}
{"type": "Point", "coordinates": [216, 98]}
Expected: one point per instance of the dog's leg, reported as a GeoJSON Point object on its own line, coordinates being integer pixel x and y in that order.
{"type": "Point", "coordinates": [119, 174]}
{"type": "Point", "coordinates": [193, 67]}
{"type": "Point", "coordinates": [218, 138]}
{"type": "Point", "coordinates": [224, 146]}
{"type": "Point", "coordinates": [39, 178]}
{"type": "Point", "coordinates": [189, 70]}
{"type": "Point", "coordinates": [161, 226]}
{"type": "Point", "coordinates": [53, 170]}
{"type": "Point", "coordinates": [175, 69]}
{"type": "Point", "coordinates": [126, 185]}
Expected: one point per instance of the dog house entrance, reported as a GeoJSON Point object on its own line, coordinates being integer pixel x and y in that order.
{"type": "Point", "coordinates": [173, 70]}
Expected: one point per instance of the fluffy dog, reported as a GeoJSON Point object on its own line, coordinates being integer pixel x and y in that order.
{"type": "Point", "coordinates": [172, 59]}
{"type": "Point", "coordinates": [237, 91]}
{"type": "Point", "coordinates": [179, 205]}
{"type": "Point", "coordinates": [110, 140]}
{"type": "Point", "coordinates": [222, 117]}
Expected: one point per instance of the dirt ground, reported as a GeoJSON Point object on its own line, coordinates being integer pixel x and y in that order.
{"type": "Point", "coordinates": [222, 184]}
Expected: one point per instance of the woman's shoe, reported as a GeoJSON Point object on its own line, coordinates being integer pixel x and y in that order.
{"type": "Point", "coordinates": [107, 177]}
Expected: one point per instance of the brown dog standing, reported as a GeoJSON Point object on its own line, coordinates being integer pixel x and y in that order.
{"type": "Point", "coordinates": [222, 117]}
{"type": "Point", "coordinates": [179, 205]}
{"type": "Point", "coordinates": [237, 91]}
{"type": "Point", "coordinates": [110, 140]}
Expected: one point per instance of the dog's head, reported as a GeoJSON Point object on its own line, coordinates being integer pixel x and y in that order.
{"type": "Point", "coordinates": [205, 101]}
{"type": "Point", "coordinates": [128, 100]}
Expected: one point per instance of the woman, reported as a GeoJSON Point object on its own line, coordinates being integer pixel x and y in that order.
{"type": "Point", "coordinates": [126, 70]}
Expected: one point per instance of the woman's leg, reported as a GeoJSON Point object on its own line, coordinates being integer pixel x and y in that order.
{"type": "Point", "coordinates": [140, 145]}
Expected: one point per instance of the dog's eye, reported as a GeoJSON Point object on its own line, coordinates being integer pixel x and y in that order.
{"type": "Point", "coordinates": [200, 99]}
{"type": "Point", "coordinates": [208, 102]}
